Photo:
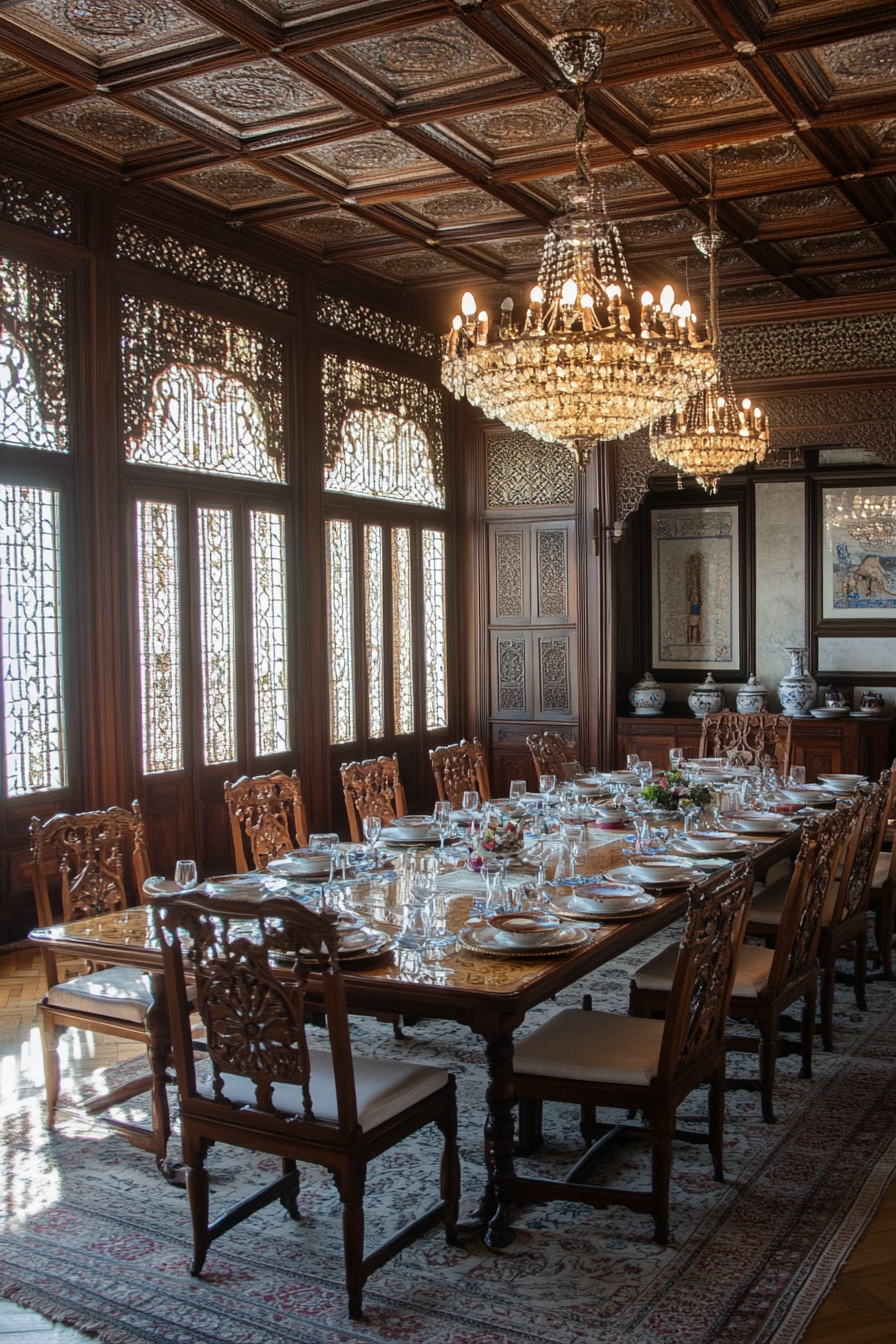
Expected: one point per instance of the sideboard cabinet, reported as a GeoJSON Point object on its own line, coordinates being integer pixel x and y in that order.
{"type": "Point", "coordinates": [839, 746]}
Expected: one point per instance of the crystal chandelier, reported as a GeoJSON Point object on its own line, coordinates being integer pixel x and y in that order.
{"type": "Point", "coordinates": [712, 436]}
{"type": "Point", "coordinates": [869, 518]}
{"type": "Point", "coordinates": [587, 364]}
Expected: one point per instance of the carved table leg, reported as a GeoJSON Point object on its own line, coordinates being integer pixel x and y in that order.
{"type": "Point", "coordinates": [158, 1030]}
{"type": "Point", "coordinates": [499, 1192]}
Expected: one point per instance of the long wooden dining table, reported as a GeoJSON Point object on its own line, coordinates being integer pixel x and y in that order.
{"type": "Point", "coordinates": [490, 995]}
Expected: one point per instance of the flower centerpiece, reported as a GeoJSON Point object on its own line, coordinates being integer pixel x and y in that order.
{"type": "Point", "coordinates": [671, 792]}
{"type": "Point", "coordinates": [498, 839]}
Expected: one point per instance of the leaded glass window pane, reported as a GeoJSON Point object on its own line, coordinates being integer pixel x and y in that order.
{"type": "Point", "coordinates": [268, 570]}
{"type": "Point", "coordinates": [158, 626]}
{"type": "Point", "coordinates": [385, 457]}
{"type": "Point", "coordinates": [402, 635]}
{"type": "Point", "coordinates": [31, 636]}
{"type": "Point", "coordinates": [32, 358]}
{"type": "Point", "coordinates": [434, 638]}
{"type": "Point", "coordinates": [203, 420]}
{"type": "Point", "coordinates": [373, 627]}
{"type": "Point", "coordinates": [217, 644]}
{"type": "Point", "coordinates": [340, 638]}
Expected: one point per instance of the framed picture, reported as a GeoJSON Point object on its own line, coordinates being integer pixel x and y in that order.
{"type": "Point", "coordinates": [855, 579]}
{"type": "Point", "coordinates": [697, 576]}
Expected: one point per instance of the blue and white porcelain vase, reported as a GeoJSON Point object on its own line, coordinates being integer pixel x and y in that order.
{"type": "Point", "coordinates": [707, 698]}
{"type": "Point", "coordinates": [797, 691]}
{"type": "Point", "coordinates": [752, 698]}
{"type": "Point", "coordinates": [647, 697]}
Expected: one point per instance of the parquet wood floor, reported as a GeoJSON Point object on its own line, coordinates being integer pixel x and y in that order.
{"type": "Point", "coordinates": [860, 1309]}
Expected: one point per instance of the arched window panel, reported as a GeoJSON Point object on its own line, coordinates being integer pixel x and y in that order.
{"type": "Point", "coordinates": [32, 358]}
{"type": "Point", "coordinates": [201, 419]}
{"type": "Point", "coordinates": [201, 393]}
{"type": "Point", "coordinates": [383, 434]}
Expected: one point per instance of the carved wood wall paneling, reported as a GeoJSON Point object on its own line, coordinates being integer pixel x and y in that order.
{"type": "Point", "coordinates": [523, 473]}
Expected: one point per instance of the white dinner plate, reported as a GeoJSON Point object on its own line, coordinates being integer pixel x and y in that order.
{"type": "Point", "coordinates": [573, 904]}
{"type": "Point", "coordinates": [482, 937]}
{"type": "Point", "coordinates": [630, 873]}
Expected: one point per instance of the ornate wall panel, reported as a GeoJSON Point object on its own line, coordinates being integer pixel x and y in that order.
{"type": "Point", "coordinates": [512, 697]}
{"type": "Point", "coordinates": [510, 587]}
{"type": "Point", "coordinates": [831, 346]}
{"type": "Point", "coordinates": [36, 207]}
{"type": "Point", "coordinates": [864, 419]}
{"type": "Point", "coordinates": [634, 465]}
{"type": "Point", "coordinates": [521, 472]}
{"type": "Point", "coordinates": [359, 320]}
{"type": "Point", "coordinates": [199, 264]}
{"type": "Point", "coordinates": [551, 572]}
{"type": "Point", "coordinates": [555, 676]}
{"type": "Point", "coordinates": [33, 342]}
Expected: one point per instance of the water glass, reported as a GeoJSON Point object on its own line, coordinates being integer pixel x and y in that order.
{"type": "Point", "coordinates": [329, 841]}
{"type": "Point", "coordinates": [517, 789]}
{"type": "Point", "coordinates": [574, 837]}
{"type": "Point", "coordinates": [441, 813]}
{"type": "Point", "coordinates": [439, 933]}
{"type": "Point", "coordinates": [185, 874]}
{"type": "Point", "coordinates": [676, 758]}
{"type": "Point", "coordinates": [493, 874]}
{"type": "Point", "coordinates": [644, 771]}
{"type": "Point", "coordinates": [797, 776]}
{"type": "Point", "coordinates": [415, 928]}
{"type": "Point", "coordinates": [470, 803]}
{"type": "Point", "coordinates": [632, 760]}
{"type": "Point", "coordinates": [547, 784]}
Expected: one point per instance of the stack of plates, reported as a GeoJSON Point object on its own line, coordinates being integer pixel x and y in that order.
{"type": "Point", "coordinates": [843, 784]}
{"type": "Point", "coordinates": [601, 900]}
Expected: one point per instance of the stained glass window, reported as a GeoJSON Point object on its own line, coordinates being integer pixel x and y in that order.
{"type": "Point", "coordinates": [158, 629]}
{"type": "Point", "coordinates": [373, 628]}
{"type": "Point", "coordinates": [434, 637]}
{"type": "Point", "coordinates": [203, 420]}
{"type": "Point", "coordinates": [268, 569]}
{"type": "Point", "coordinates": [32, 358]}
{"type": "Point", "coordinates": [31, 636]}
{"type": "Point", "coordinates": [402, 636]}
{"type": "Point", "coordinates": [340, 639]}
{"type": "Point", "coordinates": [217, 646]}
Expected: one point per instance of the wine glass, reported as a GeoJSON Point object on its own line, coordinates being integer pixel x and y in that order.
{"type": "Point", "coordinates": [329, 841]}
{"type": "Point", "coordinates": [442, 816]}
{"type": "Point", "coordinates": [547, 784]}
{"type": "Point", "coordinates": [632, 760]}
{"type": "Point", "coordinates": [517, 790]}
{"type": "Point", "coordinates": [185, 874]}
{"type": "Point", "coordinates": [574, 837]}
{"type": "Point", "coordinates": [797, 776]}
{"type": "Point", "coordinates": [676, 758]}
{"type": "Point", "coordinates": [644, 771]}
{"type": "Point", "coordinates": [372, 830]}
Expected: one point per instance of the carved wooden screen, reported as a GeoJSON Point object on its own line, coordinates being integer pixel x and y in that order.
{"type": "Point", "coordinates": [32, 357]}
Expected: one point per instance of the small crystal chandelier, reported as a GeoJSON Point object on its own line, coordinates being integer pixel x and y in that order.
{"type": "Point", "coordinates": [867, 518]}
{"type": "Point", "coordinates": [582, 368]}
{"type": "Point", "coordinates": [712, 436]}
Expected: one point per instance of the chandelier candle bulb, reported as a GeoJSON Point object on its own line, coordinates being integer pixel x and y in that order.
{"type": "Point", "coordinates": [482, 328]}
{"type": "Point", "coordinates": [467, 304]}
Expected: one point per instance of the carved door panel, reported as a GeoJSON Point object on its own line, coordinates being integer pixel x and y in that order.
{"type": "Point", "coordinates": [510, 579]}
{"type": "Point", "coordinates": [553, 573]}
{"type": "Point", "coordinates": [513, 675]}
{"type": "Point", "coordinates": [556, 659]}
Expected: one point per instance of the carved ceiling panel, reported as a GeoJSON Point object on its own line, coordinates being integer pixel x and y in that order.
{"type": "Point", "coordinates": [258, 95]}
{"type": "Point", "coordinates": [519, 251]}
{"type": "Point", "coordinates": [720, 89]}
{"type": "Point", "coordinates": [859, 282]}
{"type": "Point", "coordinates": [369, 160]}
{"type": "Point", "coordinates": [679, 224]}
{"type": "Point", "coordinates": [615, 182]}
{"type": "Point", "coordinates": [17, 79]}
{"type": "Point", "coordinates": [512, 131]}
{"type": "Point", "coordinates": [626, 21]}
{"type": "Point", "coordinates": [102, 125]}
{"type": "Point", "coordinates": [749, 158]}
{"type": "Point", "coordinates": [743, 296]}
{"type": "Point", "coordinates": [880, 137]}
{"type": "Point", "coordinates": [807, 204]}
{"type": "Point", "coordinates": [110, 31]}
{"type": "Point", "coordinates": [415, 266]}
{"type": "Point", "coordinates": [863, 63]}
{"type": "Point", "coordinates": [458, 207]}
{"type": "Point", "coordinates": [407, 64]}
{"type": "Point", "coordinates": [330, 229]}
{"type": "Point", "coordinates": [857, 243]}
{"type": "Point", "coordinates": [236, 184]}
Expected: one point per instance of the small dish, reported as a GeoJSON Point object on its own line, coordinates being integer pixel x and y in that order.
{"type": "Point", "coordinates": [827, 713]}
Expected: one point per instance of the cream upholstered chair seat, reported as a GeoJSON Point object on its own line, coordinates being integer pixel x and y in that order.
{"type": "Point", "coordinates": [753, 969]}
{"type": "Point", "coordinates": [768, 904]}
{"type": "Point", "coordinates": [383, 1089]}
{"type": "Point", "coordinates": [592, 1047]}
{"type": "Point", "coordinates": [121, 992]}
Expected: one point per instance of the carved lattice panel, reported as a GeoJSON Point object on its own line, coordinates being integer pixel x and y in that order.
{"type": "Point", "coordinates": [36, 207]}
{"type": "Point", "coordinates": [523, 472]}
{"type": "Point", "coordinates": [551, 565]}
{"type": "Point", "coordinates": [32, 357]}
{"type": "Point", "coordinates": [556, 669]}
{"type": "Point", "coordinates": [512, 674]}
{"type": "Point", "coordinates": [200, 265]}
{"type": "Point", "coordinates": [359, 320]}
{"type": "Point", "coordinates": [509, 573]}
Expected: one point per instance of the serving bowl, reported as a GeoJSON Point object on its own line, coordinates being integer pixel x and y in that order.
{"type": "Point", "coordinates": [525, 927]}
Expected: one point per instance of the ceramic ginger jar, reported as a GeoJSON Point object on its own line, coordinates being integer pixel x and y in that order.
{"type": "Point", "coordinates": [797, 691]}
{"type": "Point", "coordinates": [707, 698]}
{"type": "Point", "coordinates": [647, 697]}
{"type": "Point", "coordinates": [752, 698]}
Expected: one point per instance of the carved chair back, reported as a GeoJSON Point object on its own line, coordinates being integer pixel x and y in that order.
{"type": "Point", "coordinates": [796, 946]}
{"type": "Point", "coordinates": [861, 853]}
{"type": "Point", "coordinates": [251, 961]}
{"type": "Point", "coordinates": [269, 812]}
{"type": "Point", "coordinates": [459, 768]}
{"type": "Point", "coordinates": [705, 969]}
{"type": "Point", "coordinates": [552, 754]}
{"type": "Point", "coordinates": [89, 851]}
{"type": "Point", "coordinates": [748, 739]}
{"type": "Point", "coordinates": [372, 788]}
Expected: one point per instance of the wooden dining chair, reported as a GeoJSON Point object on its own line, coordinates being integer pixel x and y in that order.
{"type": "Point", "coordinates": [268, 812]}
{"type": "Point", "coordinates": [640, 1064]}
{"type": "Point", "coordinates": [269, 1091]}
{"type": "Point", "coordinates": [374, 788]}
{"type": "Point", "coordinates": [748, 739]}
{"type": "Point", "coordinates": [553, 755]}
{"type": "Point", "coordinates": [768, 980]}
{"type": "Point", "coordinates": [459, 768]}
{"type": "Point", "coordinates": [92, 852]}
{"type": "Point", "coordinates": [883, 885]}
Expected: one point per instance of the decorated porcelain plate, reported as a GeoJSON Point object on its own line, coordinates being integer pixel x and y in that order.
{"type": "Point", "coordinates": [761, 825]}
{"type": "Point", "coordinates": [576, 905]}
{"type": "Point", "coordinates": [489, 942]}
{"type": "Point", "coordinates": [677, 876]}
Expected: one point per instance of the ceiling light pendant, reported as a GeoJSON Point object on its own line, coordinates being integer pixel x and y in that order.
{"type": "Point", "coordinates": [591, 361]}
{"type": "Point", "coordinates": [712, 435]}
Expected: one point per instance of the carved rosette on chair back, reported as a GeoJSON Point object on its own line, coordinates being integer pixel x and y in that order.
{"type": "Point", "coordinates": [263, 807]}
{"type": "Point", "coordinates": [748, 739]}
{"type": "Point", "coordinates": [459, 768]}
{"type": "Point", "coordinates": [372, 788]}
{"type": "Point", "coordinates": [88, 850]}
{"type": "Point", "coordinates": [552, 754]}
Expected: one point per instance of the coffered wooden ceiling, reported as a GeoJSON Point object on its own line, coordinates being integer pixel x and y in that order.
{"type": "Point", "coordinates": [426, 143]}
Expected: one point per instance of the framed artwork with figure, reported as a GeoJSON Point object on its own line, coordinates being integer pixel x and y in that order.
{"type": "Point", "coordinates": [697, 597]}
{"type": "Point", "coordinates": [856, 571]}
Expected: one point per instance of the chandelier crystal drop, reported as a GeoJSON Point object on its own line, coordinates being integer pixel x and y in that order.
{"type": "Point", "coordinates": [712, 435]}
{"type": "Point", "coordinates": [590, 362]}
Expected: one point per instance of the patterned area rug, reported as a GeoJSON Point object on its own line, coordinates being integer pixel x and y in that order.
{"type": "Point", "coordinates": [94, 1238]}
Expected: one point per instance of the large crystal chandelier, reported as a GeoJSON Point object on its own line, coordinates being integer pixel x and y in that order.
{"type": "Point", "coordinates": [869, 517]}
{"type": "Point", "coordinates": [713, 434]}
{"type": "Point", "coordinates": [587, 363]}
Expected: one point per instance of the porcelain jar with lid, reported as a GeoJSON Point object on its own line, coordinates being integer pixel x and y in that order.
{"type": "Point", "coordinates": [647, 697]}
{"type": "Point", "coordinates": [797, 691]}
{"type": "Point", "coordinates": [752, 698]}
{"type": "Point", "coordinates": [707, 698]}
{"type": "Point", "coordinates": [873, 702]}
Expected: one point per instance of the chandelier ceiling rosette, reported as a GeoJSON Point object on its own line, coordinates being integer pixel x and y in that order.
{"type": "Point", "coordinates": [589, 362]}
{"type": "Point", "coordinates": [712, 435]}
